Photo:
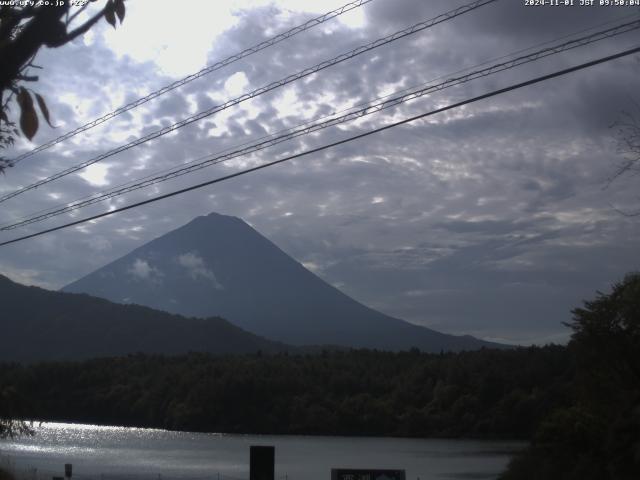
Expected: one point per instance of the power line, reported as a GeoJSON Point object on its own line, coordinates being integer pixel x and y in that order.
{"type": "Point", "coordinates": [334, 144]}
{"type": "Point", "coordinates": [205, 71]}
{"type": "Point", "coordinates": [308, 128]}
{"type": "Point", "coordinates": [247, 96]}
{"type": "Point", "coordinates": [274, 40]}
{"type": "Point", "coordinates": [521, 51]}
{"type": "Point", "coordinates": [353, 107]}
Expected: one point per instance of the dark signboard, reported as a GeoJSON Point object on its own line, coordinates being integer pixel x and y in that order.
{"type": "Point", "coordinates": [262, 462]}
{"type": "Point", "coordinates": [366, 474]}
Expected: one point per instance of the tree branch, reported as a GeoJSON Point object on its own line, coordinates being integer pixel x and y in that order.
{"type": "Point", "coordinates": [85, 27]}
{"type": "Point", "coordinates": [28, 78]}
{"type": "Point", "coordinates": [80, 10]}
{"type": "Point", "coordinates": [41, 29]}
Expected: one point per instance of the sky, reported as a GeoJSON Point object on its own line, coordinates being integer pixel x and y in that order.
{"type": "Point", "coordinates": [495, 219]}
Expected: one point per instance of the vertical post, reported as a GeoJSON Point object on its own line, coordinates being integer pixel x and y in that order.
{"type": "Point", "coordinates": [68, 470]}
{"type": "Point", "coordinates": [262, 462]}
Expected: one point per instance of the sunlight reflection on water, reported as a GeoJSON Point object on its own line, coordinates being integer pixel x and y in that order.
{"type": "Point", "coordinates": [102, 452]}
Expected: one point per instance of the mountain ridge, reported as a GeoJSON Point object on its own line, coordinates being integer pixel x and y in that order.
{"type": "Point", "coordinates": [41, 325]}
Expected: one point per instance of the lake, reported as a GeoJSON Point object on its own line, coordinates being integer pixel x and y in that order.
{"type": "Point", "coordinates": [106, 453]}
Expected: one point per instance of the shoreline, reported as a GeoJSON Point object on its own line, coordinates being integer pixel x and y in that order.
{"type": "Point", "coordinates": [497, 438]}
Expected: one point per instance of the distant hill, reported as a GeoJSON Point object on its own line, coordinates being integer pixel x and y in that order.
{"type": "Point", "coordinates": [37, 324]}
{"type": "Point", "coordinates": [218, 265]}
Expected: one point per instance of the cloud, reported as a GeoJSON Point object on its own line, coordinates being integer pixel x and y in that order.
{"type": "Point", "coordinates": [96, 175]}
{"type": "Point", "coordinates": [141, 270]}
{"type": "Point", "coordinates": [196, 268]}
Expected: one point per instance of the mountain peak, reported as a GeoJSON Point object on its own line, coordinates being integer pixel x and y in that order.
{"type": "Point", "coordinates": [214, 220]}
{"type": "Point", "coordinates": [218, 265]}
{"type": "Point", "coordinates": [219, 215]}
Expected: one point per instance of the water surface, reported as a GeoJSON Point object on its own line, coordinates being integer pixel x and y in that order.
{"type": "Point", "coordinates": [107, 453]}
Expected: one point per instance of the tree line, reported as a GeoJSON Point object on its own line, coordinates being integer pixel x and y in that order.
{"type": "Point", "coordinates": [596, 436]}
{"type": "Point", "coordinates": [488, 393]}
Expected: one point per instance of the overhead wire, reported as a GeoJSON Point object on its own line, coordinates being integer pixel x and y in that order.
{"type": "Point", "coordinates": [490, 94]}
{"type": "Point", "coordinates": [418, 27]}
{"type": "Point", "coordinates": [361, 104]}
{"type": "Point", "coordinates": [523, 50]}
{"type": "Point", "coordinates": [310, 127]}
{"type": "Point", "coordinates": [189, 78]}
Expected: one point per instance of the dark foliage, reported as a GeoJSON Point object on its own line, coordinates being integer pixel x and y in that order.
{"type": "Point", "coordinates": [12, 406]}
{"type": "Point", "coordinates": [627, 135]}
{"type": "Point", "coordinates": [597, 436]}
{"type": "Point", "coordinates": [487, 393]}
{"type": "Point", "coordinates": [4, 475]}
{"type": "Point", "coordinates": [25, 28]}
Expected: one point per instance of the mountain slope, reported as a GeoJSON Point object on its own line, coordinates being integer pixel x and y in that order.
{"type": "Point", "coordinates": [219, 265]}
{"type": "Point", "coordinates": [38, 324]}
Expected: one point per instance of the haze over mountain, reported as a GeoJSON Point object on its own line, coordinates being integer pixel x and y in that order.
{"type": "Point", "coordinates": [38, 324]}
{"type": "Point", "coordinates": [219, 266]}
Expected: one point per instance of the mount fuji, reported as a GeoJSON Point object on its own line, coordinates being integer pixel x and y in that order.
{"type": "Point", "coordinates": [217, 265]}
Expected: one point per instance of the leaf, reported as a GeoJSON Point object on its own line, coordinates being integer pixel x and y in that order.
{"type": "Point", "coordinates": [109, 14]}
{"type": "Point", "coordinates": [119, 7]}
{"type": "Point", "coordinates": [28, 116]}
{"type": "Point", "coordinates": [44, 109]}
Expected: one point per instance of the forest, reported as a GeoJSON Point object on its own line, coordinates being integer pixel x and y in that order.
{"type": "Point", "coordinates": [484, 393]}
